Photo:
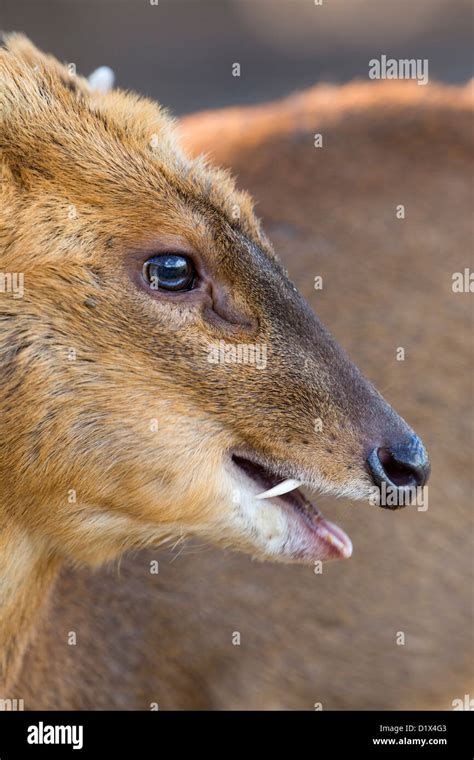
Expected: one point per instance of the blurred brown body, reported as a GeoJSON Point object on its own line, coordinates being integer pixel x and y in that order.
{"type": "Point", "coordinates": [309, 638]}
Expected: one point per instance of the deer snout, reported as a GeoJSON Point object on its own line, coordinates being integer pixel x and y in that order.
{"type": "Point", "coordinates": [403, 464]}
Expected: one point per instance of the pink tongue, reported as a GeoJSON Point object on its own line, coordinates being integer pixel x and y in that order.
{"type": "Point", "coordinates": [338, 543]}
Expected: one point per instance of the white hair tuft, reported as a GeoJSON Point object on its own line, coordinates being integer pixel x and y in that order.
{"type": "Point", "coordinates": [102, 79]}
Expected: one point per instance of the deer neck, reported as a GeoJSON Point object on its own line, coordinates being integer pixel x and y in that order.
{"type": "Point", "coordinates": [27, 573]}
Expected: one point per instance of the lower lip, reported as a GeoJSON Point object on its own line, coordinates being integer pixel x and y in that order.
{"type": "Point", "coordinates": [325, 540]}
{"type": "Point", "coordinates": [313, 537]}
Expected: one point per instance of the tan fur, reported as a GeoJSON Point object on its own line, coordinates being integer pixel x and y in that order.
{"type": "Point", "coordinates": [126, 196]}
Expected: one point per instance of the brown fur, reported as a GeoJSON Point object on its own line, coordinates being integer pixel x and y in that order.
{"type": "Point", "coordinates": [126, 198]}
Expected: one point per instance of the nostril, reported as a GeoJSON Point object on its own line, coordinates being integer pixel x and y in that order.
{"type": "Point", "coordinates": [402, 465]}
{"type": "Point", "coordinates": [400, 474]}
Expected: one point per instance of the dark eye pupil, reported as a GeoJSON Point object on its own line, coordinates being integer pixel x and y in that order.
{"type": "Point", "coordinates": [169, 272]}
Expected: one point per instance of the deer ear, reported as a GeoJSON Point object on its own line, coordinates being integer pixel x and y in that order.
{"type": "Point", "coordinates": [32, 85]}
{"type": "Point", "coordinates": [23, 48]}
{"type": "Point", "coordinates": [27, 573]}
{"type": "Point", "coordinates": [24, 52]}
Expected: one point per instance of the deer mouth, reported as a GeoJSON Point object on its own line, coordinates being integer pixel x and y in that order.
{"type": "Point", "coordinates": [321, 538]}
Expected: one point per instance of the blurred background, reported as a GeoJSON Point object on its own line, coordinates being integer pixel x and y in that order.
{"type": "Point", "coordinates": [181, 51]}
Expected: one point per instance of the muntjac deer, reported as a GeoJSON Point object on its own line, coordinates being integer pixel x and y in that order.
{"type": "Point", "coordinates": [134, 410]}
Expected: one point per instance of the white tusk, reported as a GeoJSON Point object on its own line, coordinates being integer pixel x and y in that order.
{"type": "Point", "coordinates": [102, 79]}
{"type": "Point", "coordinates": [281, 488]}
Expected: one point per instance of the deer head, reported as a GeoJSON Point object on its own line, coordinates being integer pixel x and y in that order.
{"type": "Point", "coordinates": [161, 375]}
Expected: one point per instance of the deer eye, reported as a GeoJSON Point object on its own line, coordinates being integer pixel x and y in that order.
{"type": "Point", "coordinates": [170, 271]}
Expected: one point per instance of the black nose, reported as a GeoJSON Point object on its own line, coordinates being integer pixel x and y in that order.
{"type": "Point", "coordinates": [401, 465]}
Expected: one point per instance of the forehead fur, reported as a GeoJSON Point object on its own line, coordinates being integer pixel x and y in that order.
{"type": "Point", "coordinates": [60, 138]}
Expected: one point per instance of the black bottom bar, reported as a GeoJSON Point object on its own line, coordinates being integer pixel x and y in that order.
{"type": "Point", "coordinates": [151, 734]}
